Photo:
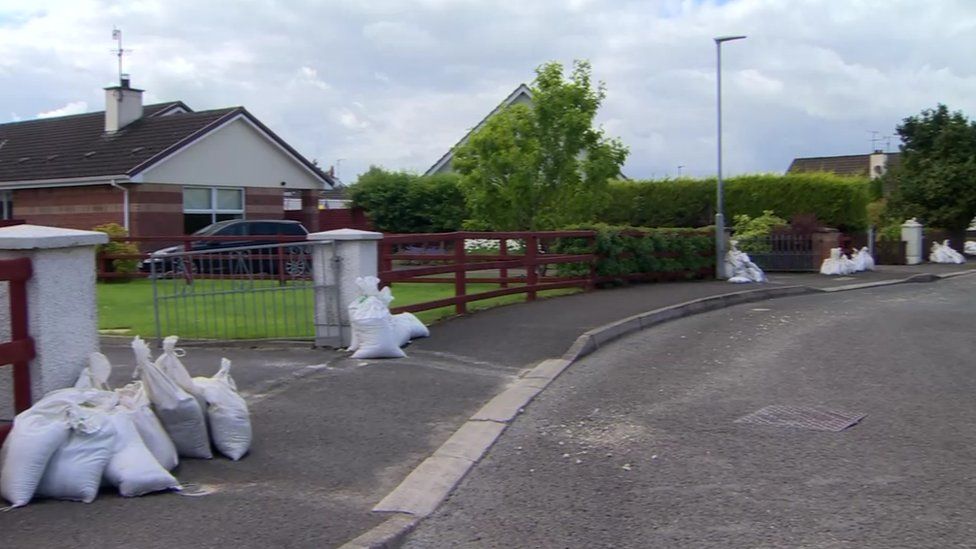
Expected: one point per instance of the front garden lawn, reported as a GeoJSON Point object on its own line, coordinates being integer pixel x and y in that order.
{"type": "Point", "coordinates": [126, 308]}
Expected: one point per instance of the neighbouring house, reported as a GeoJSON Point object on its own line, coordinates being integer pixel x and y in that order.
{"type": "Point", "coordinates": [521, 96]}
{"type": "Point", "coordinates": [158, 170]}
{"type": "Point", "coordinates": [872, 165]}
{"type": "Point", "coordinates": [335, 210]}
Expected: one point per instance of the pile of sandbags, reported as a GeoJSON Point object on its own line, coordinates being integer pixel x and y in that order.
{"type": "Point", "coordinates": [970, 247]}
{"type": "Point", "coordinates": [863, 260]}
{"type": "Point", "coordinates": [943, 253]}
{"type": "Point", "coordinates": [740, 268]}
{"type": "Point", "coordinates": [838, 264]}
{"type": "Point", "coordinates": [376, 333]}
{"type": "Point", "coordinates": [75, 440]}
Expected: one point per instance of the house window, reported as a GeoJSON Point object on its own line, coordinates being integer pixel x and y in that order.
{"type": "Point", "coordinates": [6, 204]}
{"type": "Point", "coordinates": [205, 205]}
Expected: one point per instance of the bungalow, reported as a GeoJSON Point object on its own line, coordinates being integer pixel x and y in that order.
{"type": "Point", "coordinates": [872, 165]}
{"type": "Point", "coordinates": [521, 96]}
{"type": "Point", "coordinates": [158, 170]}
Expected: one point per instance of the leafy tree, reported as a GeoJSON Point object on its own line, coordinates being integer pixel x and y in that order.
{"type": "Point", "coordinates": [402, 202]}
{"type": "Point", "coordinates": [542, 166]}
{"type": "Point", "coordinates": [936, 180]}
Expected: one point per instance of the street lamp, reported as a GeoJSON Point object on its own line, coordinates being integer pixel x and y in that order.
{"type": "Point", "coordinates": [720, 206]}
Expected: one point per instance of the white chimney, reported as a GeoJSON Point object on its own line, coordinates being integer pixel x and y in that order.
{"type": "Point", "coordinates": [123, 105]}
{"type": "Point", "coordinates": [877, 164]}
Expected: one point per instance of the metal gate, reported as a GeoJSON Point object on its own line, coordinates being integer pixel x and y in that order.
{"type": "Point", "coordinates": [263, 291]}
{"type": "Point", "coordinates": [18, 351]}
{"type": "Point", "coordinates": [782, 252]}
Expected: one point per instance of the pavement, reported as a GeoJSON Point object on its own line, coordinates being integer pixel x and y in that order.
{"type": "Point", "coordinates": [336, 438]}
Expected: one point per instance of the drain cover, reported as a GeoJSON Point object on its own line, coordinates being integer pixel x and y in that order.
{"type": "Point", "coordinates": [818, 419]}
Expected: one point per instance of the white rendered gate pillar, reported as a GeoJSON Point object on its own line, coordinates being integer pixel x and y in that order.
{"type": "Point", "coordinates": [354, 254]}
{"type": "Point", "coordinates": [911, 234]}
{"type": "Point", "coordinates": [61, 310]}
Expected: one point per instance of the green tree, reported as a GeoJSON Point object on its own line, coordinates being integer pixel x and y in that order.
{"type": "Point", "coordinates": [936, 181]}
{"type": "Point", "coordinates": [542, 166]}
{"type": "Point", "coordinates": [402, 202]}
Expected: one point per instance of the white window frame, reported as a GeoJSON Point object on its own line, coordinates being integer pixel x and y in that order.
{"type": "Point", "coordinates": [214, 210]}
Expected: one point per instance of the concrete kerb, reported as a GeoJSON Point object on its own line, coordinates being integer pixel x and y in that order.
{"type": "Point", "coordinates": [432, 481]}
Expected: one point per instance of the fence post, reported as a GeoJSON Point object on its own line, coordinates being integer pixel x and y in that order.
{"type": "Point", "coordinates": [61, 308]}
{"type": "Point", "coordinates": [911, 235]}
{"type": "Point", "coordinates": [531, 255]}
{"type": "Point", "coordinates": [503, 252]}
{"type": "Point", "coordinates": [592, 283]}
{"type": "Point", "coordinates": [460, 307]}
{"type": "Point", "coordinates": [355, 252]}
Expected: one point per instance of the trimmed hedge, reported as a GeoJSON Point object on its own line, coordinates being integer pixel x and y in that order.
{"type": "Point", "coordinates": [839, 202]}
{"type": "Point", "coordinates": [403, 202]}
{"type": "Point", "coordinates": [627, 251]}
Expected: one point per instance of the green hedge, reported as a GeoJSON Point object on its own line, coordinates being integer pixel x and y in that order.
{"type": "Point", "coordinates": [839, 202]}
{"type": "Point", "coordinates": [624, 250]}
{"type": "Point", "coordinates": [403, 202]}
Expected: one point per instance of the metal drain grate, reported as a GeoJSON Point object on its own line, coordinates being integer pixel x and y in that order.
{"type": "Point", "coordinates": [818, 419]}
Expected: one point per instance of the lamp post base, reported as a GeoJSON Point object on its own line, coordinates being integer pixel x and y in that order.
{"type": "Point", "coordinates": [720, 247]}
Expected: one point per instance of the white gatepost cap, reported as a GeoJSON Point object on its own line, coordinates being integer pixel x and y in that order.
{"type": "Point", "coordinates": [33, 237]}
{"type": "Point", "coordinates": [346, 234]}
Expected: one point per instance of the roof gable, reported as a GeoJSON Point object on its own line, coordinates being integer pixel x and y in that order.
{"type": "Point", "coordinates": [521, 94]}
{"type": "Point", "coordinates": [71, 147]}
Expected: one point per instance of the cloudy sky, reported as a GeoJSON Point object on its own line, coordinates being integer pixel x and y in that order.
{"type": "Point", "coordinates": [396, 83]}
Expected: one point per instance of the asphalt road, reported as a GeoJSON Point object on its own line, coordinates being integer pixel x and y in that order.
{"type": "Point", "coordinates": [637, 445]}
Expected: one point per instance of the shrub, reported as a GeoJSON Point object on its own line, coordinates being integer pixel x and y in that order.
{"type": "Point", "coordinates": [624, 250]}
{"type": "Point", "coordinates": [402, 202]}
{"type": "Point", "coordinates": [752, 232]}
{"type": "Point", "coordinates": [836, 201]}
{"type": "Point", "coordinates": [114, 247]}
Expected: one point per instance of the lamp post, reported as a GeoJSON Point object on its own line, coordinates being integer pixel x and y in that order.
{"type": "Point", "coordinates": [720, 199]}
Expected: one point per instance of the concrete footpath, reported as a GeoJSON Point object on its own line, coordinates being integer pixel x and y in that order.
{"type": "Point", "coordinates": [336, 438]}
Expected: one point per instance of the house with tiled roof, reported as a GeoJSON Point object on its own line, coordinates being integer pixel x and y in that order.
{"type": "Point", "coordinates": [159, 170]}
{"type": "Point", "coordinates": [863, 165]}
{"type": "Point", "coordinates": [521, 96]}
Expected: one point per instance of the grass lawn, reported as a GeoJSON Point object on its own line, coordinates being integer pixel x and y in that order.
{"type": "Point", "coordinates": [215, 310]}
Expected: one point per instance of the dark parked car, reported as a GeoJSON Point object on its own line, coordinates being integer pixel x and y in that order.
{"type": "Point", "coordinates": [237, 256]}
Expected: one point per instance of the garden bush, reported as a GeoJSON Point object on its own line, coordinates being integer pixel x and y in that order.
{"type": "Point", "coordinates": [625, 250]}
{"type": "Point", "coordinates": [402, 202]}
{"type": "Point", "coordinates": [113, 247]}
{"type": "Point", "coordinates": [836, 201]}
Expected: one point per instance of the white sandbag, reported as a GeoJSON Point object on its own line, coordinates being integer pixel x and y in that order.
{"type": "Point", "coordinates": [74, 472]}
{"type": "Point", "coordinates": [171, 365]}
{"type": "Point", "coordinates": [96, 374]}
{"type": "Point", "coordinates": [36, 435]}
{"type": "Point", "coordinates": [943, 253]}
{"type": "Point", "coordinates": [739, 267]}
{"type": "Point", "coordinates": [863, 260]}
{"type": "Point", "coordinates": [969, 248]}
{"type": "Point", "coordinates": [412, 325]}
{"type": "Point", "coordinates": [368, 287]}
{"type": "Point", "coordinates": [134, 401]}
{"type": "Point", "coordinates": [833, 265]}
{"type": "Point", "coordinates": [375, 331]}
{"type": "Point", "coordinates": [132, 468]}
{"type": "Point", "coordinates": [227, 414]}
{"type": "Point", "coordinates": [177, 410]}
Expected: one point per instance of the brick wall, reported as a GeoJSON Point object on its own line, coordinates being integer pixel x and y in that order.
{"type": "Point", "coordinates": [69, 207]}
{"type": "Point", "coordinates": [264, 203]}
{"type": "Point", "coordinates": [155, 210]}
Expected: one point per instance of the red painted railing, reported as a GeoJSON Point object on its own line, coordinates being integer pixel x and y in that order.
{"type": "Point", "coordinates": [514, 271]}
{"type": "Point", "coordinates": [19, 351]}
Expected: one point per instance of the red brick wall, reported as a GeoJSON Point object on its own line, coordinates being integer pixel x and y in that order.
{"type": "Point", "coordinates": [69, 207]}
{"type": "Point", "coordinates": [264, 203]}
{"type": "Point", "coordinates": [154, 209]}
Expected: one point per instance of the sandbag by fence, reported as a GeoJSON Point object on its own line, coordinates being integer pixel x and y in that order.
{"type": "Point", "coordinates": [227, 413]}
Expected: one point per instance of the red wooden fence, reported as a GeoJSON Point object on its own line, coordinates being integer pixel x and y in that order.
{"type": "Point", "coordinates": [19, 351]}
{"type": "Point", "coordinates": [517, 271]}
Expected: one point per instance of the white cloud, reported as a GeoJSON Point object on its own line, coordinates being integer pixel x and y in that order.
{"type": "Point", "coordinates": [397, 82]}
{"type": "Point", "coordinates": [75, 107]}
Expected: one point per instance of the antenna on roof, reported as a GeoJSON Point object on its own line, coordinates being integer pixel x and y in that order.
{"type": "Point", "coordinates": [887, 140]}
{"type": "Point", "coordinates": [874, 139]}
{"type": "Point", "coordinates": [117, 36]}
